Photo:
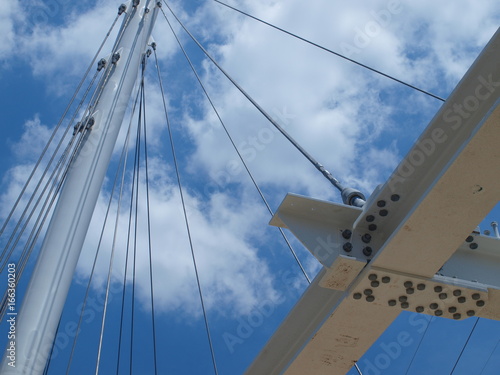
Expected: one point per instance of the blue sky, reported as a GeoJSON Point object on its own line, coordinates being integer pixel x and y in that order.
{"type": "Point", "coordinates": [357, 124]}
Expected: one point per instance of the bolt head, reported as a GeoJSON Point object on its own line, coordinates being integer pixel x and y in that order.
{"type": "Point", "coordinates": [462, 299]}
{"type": "Point", "coordinates": [480, 303]}
{"type": "Point", "coordinates": [405, 305]}
{"type": "Point", "coordinates": [347, 233]}
{"type": "Point", "coordinates": [452, 309]}
{"type": "Point", "coordinates": [386, 279]}
{"type": "Point", "coordinates": [457, 316]}
{"type": "Point", "coordinates": [438, 312]}
{"type": "Point", "coordinates": [383, 212]}
{"type": "Point", "coordinates": [476, 296]}
{"type": "Point", "coordinates": [357, 296]}
{"type": "Point", "coordinates": [443, 296]}
{"type": "Point", "coordinates": [368, 292]}
{"type": "Point", "coordinates": [370, 218]}
{"type": "Point", "coordinates": [457, 292]}
{"type": "Point", "coordinates": [370, 298]}
{"type": "Point", "coordinates": [381, 203]}
{"type": "Point", "coordinates": [438, 289]}
{"type": "Point", "coordinates": [367, 251]}
{"type": "Point", "coordinates": [421, 286]}
{"type": "Point", "coordinates": [395, 197]}
{"type": "Point", "coordinates": [347, 247]}
{"type": "Point", "coordinates": [420, 309]}
{"type": "Point", "coordinates": [392, 302]}
{"type": "Point", "coordinates": [408, 284]}
{"type": "Point", "coordinates": [433, 306]}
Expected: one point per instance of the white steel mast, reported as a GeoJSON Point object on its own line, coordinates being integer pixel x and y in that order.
{"type": "Point", "coordinates": [43, 303]}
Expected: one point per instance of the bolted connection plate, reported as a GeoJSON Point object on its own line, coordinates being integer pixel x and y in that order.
{"type": "Point", "coordinates": [440, 296]}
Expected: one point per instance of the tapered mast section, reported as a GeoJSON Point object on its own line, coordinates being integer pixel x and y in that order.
{"type": "Point", "coordinates": [42, 307]}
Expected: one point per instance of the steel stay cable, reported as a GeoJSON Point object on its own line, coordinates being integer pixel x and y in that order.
{"type": "Point", "coordinates": [186, 219]}
{"type": "Point", "coordinates": [125, 274]}
{"type": "Point", "coordinates": [55, 173]}
{"type": "Point", "coordinates": [489, 357]}
{"type": "Point", "coordinates": [123, 159]}
{"type": "Point", "coordinates": [334, 53]}
{"type": "Point", "coordinates": [47, 168]}
{"type": "Point", "coordinates": [56, 129]}
{"type": "Point", "coordinates": [419, 344]}
{"type": "Point", "coordinates": [465, 346]}
{"type": "Point", "coordinates": [308, 156]}
{"type": "Point", "coordinates": [150, 250]}
{"type": "Point", "coordinates": [136, 219]}
{"type": "Point", "coordinates": [113, 249]}
{"type": "Point", "coordinates": [236, 149]}
{"type": "Point", "coordinates": [53, 193]}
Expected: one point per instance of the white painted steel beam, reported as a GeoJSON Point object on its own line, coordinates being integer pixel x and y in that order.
{"type": "Point", "coordinates": [386, 257]}
{"type": "Point", "coordinates": [43, 303]}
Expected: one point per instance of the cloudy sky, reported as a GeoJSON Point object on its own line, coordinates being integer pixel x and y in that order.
{"type": "Point", "coordinates": [358, 124]}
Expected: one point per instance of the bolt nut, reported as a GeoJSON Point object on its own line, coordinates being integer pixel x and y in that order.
{"type": "Point", "coordinates": [471, 313]}
{"type": "Point", "coordinates": [405, 305]}
{"type": "Point", "coordinates": [408, 284]}
{"type": "Point", "coordinates": [370, 218]}
{"type": "Point", "coordinates": [366, 238]}
{"type": "Point", "coordinates": [375, 284]}
{"type": "Point", "coordinates": [420, 309]}
{"type": "Point", "coordinates": [372, 277]}
{"type": "Point", "coordinates": [347, 234]}
{"type": "Point", "coordinates": [395, 197]}
{"type": "Point", "coordinates": [443, 295]}
{"type": "Point", "coordinates": [457, 292]}
{"type": "Point", "coordinates": [462, 299]}
{"type": "Point", "coordinates": [452, 309]}
{"type": "Point", "coordinates": [381, 203]}
{"type": "Point", "coordinates": [480, 303]}
{"type": "Point", "coordinates": [368, 292]}
{"type": "Point", "coordinates": [383, 213]}
{"type": "Point", "coordinates": [370, 298]}
{"type": "Point", "coordinates": [403, 299]}
{"type": "Point", "coordinates": [392, 302]}
{"type": "Point", "coordinates": [367, 251]}
{"type": "Point", "coordinates": [386, 279]}
{"type": "Point", "coordinates": [476, 296]}
{"type": "Point", "coordinates": [347, 247]}
{"type": "Point", "coordinates": [410, 291]}
{"type": "Point", "coordinates": [357, 296]}
{"type": "Point", "coordinates": [372, 227]}
{"type": "Point", "coordinates": [438, 289]}
{"type": "Point", "coordinates": [438, 312]}
{"type": "Point", "coordinates": [433, 306]}
{"type": "Point", "coordinates": [421, 286]}
{"type": "Point", "coordinates": [457, 316]}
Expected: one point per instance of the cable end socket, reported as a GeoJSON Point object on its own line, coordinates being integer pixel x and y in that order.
{"type": "Point", "coordinates": [353, 197]}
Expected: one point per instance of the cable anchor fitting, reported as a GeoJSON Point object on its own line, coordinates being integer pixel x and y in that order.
{"type": "Point", "coordinates": [115, 58]}
{"type": "Point", "coordinates": [101, 64]}
{"type": "Point", "coordinates": [353, 197]}
{"type": "Point", "coordinates": [122, 9]}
